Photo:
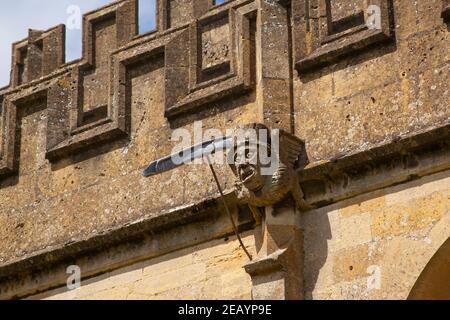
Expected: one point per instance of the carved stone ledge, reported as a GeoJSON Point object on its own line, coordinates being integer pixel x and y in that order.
{"type": "Point", "coordinates": [336, 29]}
{"type": "Point", "coordinates": [272, 279]}
{"type": "Point", "coordinates": [266, 264]}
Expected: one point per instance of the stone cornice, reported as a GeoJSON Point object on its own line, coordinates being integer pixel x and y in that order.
{"type": "Point", "coordinates": [404, 159]}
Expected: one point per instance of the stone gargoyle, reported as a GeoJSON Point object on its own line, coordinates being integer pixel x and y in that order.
{"type": "Point", "coordinates": [265, 182]}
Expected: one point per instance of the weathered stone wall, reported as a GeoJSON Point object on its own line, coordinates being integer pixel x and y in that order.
{"type": "Point", "coordinates": [372, 107]}
{"type": "Point", "coordinates": [52, 203]}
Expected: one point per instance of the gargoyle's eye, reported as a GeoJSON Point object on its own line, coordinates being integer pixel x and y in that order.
{"type": "Point", "coordinates": [249, 153]}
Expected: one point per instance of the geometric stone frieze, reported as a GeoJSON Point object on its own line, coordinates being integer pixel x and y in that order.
{"type": "Point", "coordinates": [220, 59]}
{"type": "Point", "coordinates": [328, 30]}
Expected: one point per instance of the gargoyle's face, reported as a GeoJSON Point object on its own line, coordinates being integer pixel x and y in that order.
{"type": "Point", "coordinates": [248, 168]}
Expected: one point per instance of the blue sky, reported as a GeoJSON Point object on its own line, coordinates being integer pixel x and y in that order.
{"type": "Point", "coordinates": [17, 16]}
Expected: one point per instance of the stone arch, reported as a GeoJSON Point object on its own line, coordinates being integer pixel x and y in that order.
{"type": "Point", "coordinates": [434, 281]}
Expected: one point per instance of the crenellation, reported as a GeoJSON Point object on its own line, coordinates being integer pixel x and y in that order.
{"type": "Point", "coordinates": [221, 59]}
{"type": "Point", "coordinates": [91, 115]}
{"type": "Point", "coordinates": [2, 127]}
{"type": "Point", "coordinates": [39, 55]}
{"type": "Point", "coordinates": [173, 14]}
{"type": "Point", "coordinates": [12, 107]}
{"type": "Point", "coordinates": [104, 31]}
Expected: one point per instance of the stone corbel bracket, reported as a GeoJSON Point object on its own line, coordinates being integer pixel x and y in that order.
{"type": "Point", "coordinates": [328, 30]}
{"type": "Point", "coordinates": [277, 270]}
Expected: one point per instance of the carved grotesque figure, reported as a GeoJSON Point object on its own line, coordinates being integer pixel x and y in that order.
{"type": "Point", "coordinates": [264, 163]}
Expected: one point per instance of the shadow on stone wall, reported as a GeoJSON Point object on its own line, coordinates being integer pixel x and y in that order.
{"type": "Point", "coordinates": [317, 233]}
{"type": "Point", "coordinates": [329, 232]}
